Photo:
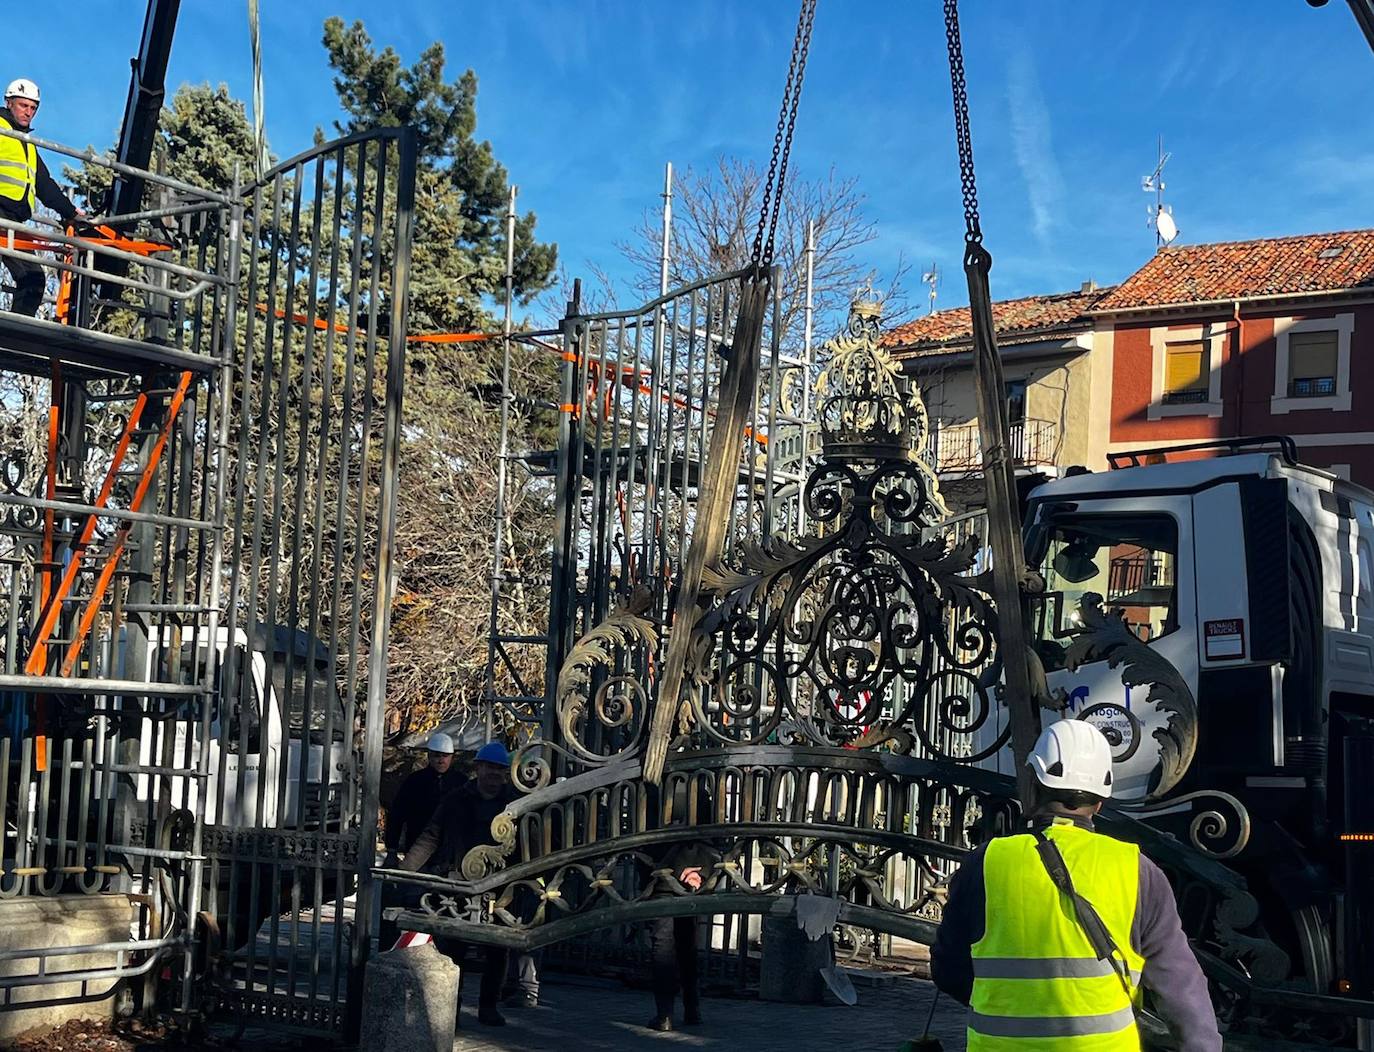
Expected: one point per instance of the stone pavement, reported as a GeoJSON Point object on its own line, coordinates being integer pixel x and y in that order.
{"type": "Point", "coordinates": [577, 1015]}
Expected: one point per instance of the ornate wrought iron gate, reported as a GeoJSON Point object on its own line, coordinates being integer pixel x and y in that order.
{"type": "Point", "coordinates": [313, 485]}
{"type": "Point", "coordinates": [638, 396]}
{"type": "Point", "coordinates": [197, 588]}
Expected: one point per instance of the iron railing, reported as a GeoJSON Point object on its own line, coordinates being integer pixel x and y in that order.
{"type": "Point", "coordinates": [150, 286]}
{"type": "Point", "coordinates": [958, 448]}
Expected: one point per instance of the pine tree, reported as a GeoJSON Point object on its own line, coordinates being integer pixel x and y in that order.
{"type": "Point", "coordinates": [202, 136]}
{"type": "Point", "coordinates": [449, 455]}
{"type": "Point", "coordinates": [462, 190]}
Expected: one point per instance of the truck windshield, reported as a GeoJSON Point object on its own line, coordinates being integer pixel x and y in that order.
{"type": "Point", "coordinates": [315, 692]}
{"type": "Point", "coordinates": [1127, 561]}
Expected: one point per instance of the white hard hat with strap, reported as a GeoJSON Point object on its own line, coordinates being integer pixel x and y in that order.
{"type": "Point", "coordinates": [23, 88]}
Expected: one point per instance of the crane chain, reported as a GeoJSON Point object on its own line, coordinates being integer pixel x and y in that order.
{"type": "Point", "coordinates": [973, 233]}
{"type": "Point", "coordinates": [762, 253]}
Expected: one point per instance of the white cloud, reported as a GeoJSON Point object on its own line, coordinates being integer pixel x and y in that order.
{"type": "Point", "coordinates": [1031, 141]}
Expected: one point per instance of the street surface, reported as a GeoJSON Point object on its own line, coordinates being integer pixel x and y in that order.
{"type": "Point", "coordinates": [589, 1016]}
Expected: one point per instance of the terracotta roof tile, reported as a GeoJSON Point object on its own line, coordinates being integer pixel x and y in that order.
{"type": "Point", "coordinates": [934, 333]}
{"type": "Point", "coordinates": [1239, 269]}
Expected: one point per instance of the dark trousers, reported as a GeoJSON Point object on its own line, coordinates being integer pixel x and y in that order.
{"type": "Point", "coordinates": [673, 943]}
{"type": "Point", "coordinates": [493, 969]}
{"type": "Point", "coordinates": [29, 283]}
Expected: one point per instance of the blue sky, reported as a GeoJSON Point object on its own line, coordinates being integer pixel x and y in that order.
{"type": "Point", "coordinates": [1264, 106]}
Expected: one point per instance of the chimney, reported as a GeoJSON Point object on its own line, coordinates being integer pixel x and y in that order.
{"type": "Point", "coordinates": [1087, 286]}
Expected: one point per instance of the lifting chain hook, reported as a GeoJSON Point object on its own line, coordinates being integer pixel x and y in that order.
{"type": "Point", "coordinates": [762, 253]}
{"type": "Point", "coordinates": [973, 234]}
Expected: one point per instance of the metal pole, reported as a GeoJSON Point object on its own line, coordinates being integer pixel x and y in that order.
{"type": "Point", "coordinates": [808, 315]}
{"type": "Point", "coordinates": [502, 453]}
{"type": "Point", "coordinates": [667, 229]}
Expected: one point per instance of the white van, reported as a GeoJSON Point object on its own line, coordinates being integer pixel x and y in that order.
{"type": "Point", "coordinates": [259, 730]}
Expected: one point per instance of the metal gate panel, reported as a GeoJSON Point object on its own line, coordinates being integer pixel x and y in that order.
{"type": "Point", "coordinates": [296, 738]}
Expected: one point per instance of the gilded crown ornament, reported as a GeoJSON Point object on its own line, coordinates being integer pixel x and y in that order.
{"type": "Point", "coordinates": [867, 409]}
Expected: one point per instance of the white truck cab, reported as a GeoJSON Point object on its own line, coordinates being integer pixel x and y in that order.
{"type": "Point", "coordinates": [1251, 575]}
{"type": "Point", "coordinates": [261, 730]}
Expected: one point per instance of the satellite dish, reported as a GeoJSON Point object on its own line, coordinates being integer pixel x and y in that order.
{"type": "Point", "coordinates": [1165, 225]}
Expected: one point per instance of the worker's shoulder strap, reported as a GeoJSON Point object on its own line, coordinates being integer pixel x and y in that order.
{"type": "Point", "coordinates": [1086, 913]}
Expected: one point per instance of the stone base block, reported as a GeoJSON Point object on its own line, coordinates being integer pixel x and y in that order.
{"type": "Point", "coordinates": [46, 923]}
{"type": "Point", "coordinates": [410, 1001]}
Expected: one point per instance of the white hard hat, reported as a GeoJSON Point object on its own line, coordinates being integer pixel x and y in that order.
{"type": "Point", "coordinates": [1075, 755]}
{"type": "Point", "coordinates": [23, 88]}
{"type": "Point", "coordinates": [440, 742]}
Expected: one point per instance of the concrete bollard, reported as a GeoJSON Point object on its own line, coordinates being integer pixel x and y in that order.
{"type": "Point", "coordinates": [410, 1001]}
{"type": "Point", "coordinates": [790, 970]}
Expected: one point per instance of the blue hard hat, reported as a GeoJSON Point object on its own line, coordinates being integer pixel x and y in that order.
{"type": "Point", "coordinates": [494, 753]}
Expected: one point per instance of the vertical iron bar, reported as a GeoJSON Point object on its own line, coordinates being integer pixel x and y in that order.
{"type": "Point", "coordinates": [502, 466]}
{"type": "Point", "coordinates": [803, 435]}
{"type": "Point", "coordinates": [381, 604]}
{"type": "Point", "coordinates": [327, 762]}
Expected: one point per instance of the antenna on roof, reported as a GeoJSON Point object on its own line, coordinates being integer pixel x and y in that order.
{"type": "Point", "coordinates": [932, 278]}
{"type": "Point", "coordinates": [1159, 215]}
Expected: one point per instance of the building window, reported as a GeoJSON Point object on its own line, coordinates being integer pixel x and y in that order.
{"type": "Point", "coordinates": [1187, 371]}
{"type": "Point", "coordinates": [1312, 364]}
{"type": "Point", "coordinates": [1016, 401]}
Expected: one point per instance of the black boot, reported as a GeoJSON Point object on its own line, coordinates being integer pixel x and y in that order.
{"type": "Point", "coordinates": [662, 1023]}
{"type": "Point", "coordinates": [488, 1015]}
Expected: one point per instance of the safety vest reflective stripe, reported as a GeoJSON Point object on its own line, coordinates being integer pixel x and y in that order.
{"type": "Point", "coordinates": [1051, 1026]}
{"type": "Point", "coordinates": [12, 180]}
{"type": "Point", "coordinates": [1044, 968]}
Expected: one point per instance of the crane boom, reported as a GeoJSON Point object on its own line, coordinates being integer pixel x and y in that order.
{"type": "Point", "coordinates": [1363, 10]}
{"type": "Point", "coordinates": [147, 85]}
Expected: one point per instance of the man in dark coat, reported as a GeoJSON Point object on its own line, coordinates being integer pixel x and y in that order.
{"type": "Point", "coordinates": [673, 940]}
{"type": "Point", "coordinates": [419, 795]}
{"type": "Point", "coordinates": [461, 822]}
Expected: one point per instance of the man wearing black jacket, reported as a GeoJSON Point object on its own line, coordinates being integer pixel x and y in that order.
{"type": "Point", "coordinates": [461, 822]}
{"type": "Point", "coordinates": [673, 940]}
{"type": "Point", "coordinates": [24, 181]}
{"type": "Point", "coordinates": [415, 802]}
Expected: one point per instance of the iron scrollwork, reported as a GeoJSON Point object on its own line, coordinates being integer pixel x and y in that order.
{"type": "Point", "coordinates": [600, 695]}
{"type": "Point", "coordinates": [870, 631]}
{"type": "Point", "coordinates": [1105, 636]}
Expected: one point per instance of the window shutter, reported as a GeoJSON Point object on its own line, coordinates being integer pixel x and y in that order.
{"type": "Point", "coordinates": [1312, 355]}
{"type": "Point", "coordinates": [1183, 368]}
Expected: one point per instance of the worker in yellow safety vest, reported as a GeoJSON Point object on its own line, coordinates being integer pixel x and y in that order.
{"type": "Point", "coordinates": [1049, 935]}
{"type": "Point", "coordinates": [24, 181]}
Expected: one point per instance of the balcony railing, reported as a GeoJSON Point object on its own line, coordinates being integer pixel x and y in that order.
{"type": "Point", "coordinates": [1188, 396]}
{"type": "Point", "coordinates": [1312, 387]}
{"type": "Point", "coordinates": [956, 448]}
